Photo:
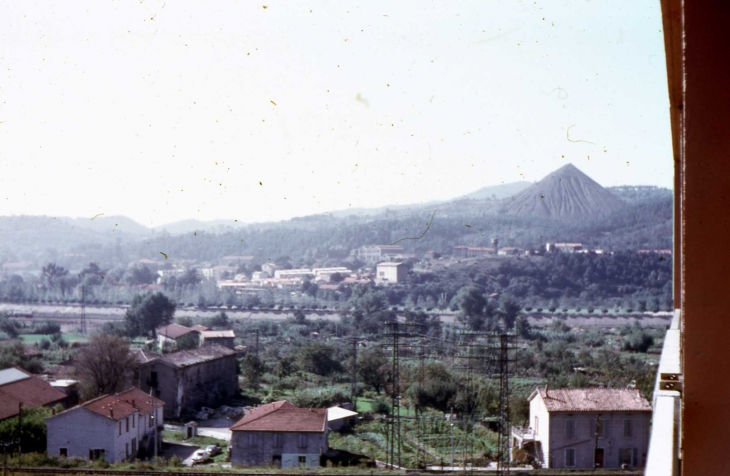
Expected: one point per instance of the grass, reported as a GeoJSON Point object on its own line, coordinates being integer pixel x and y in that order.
{"type": "Point", "coordinates": [36, 338]}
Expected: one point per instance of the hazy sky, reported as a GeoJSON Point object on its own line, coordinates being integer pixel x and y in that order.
{"type": "Point", "coordinates": [265, 110]}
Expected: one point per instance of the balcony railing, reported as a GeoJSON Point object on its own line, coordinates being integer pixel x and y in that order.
{"type": "Point", "coordinates": [665, 450]}
{"type": "Point", "coordinates": [523, 432]}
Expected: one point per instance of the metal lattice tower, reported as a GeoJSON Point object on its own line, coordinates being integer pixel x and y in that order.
{"type": "Point", "coordinates": [503, 456]}
{"type": "Point", "coordinates": [82, 323]}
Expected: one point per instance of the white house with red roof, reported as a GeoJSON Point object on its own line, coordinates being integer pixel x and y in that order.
{"type": "Point", "coordinates": [578, 428]}
{"type": "Point", "coordinates": [112, 427]}
{"type": "Point", "coordinates": [280, 435]}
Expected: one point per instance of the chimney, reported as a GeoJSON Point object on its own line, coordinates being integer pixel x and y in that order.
{"type": "Point", "coordinates": [546, 390]}
{"type": "Point", "coordinates": [133, 404]}
{"type": "Point", "coordinates": [111, 413]}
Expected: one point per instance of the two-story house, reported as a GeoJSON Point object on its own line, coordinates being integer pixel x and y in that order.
{"type": "Point", "coordinates": [586, 428]}
{"type": "Point", "coordinates": [188, 379]}
{"type": "Point", "coordinates": [112, 427]}
{"type": "Point", "coordinates": [281, 435]}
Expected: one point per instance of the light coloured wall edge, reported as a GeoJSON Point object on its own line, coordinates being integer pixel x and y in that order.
{"type": "Point", "coordinates": [664, 444]}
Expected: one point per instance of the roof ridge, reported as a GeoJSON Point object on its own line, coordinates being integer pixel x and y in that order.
{"type": "Point", "coordinates": [264, 413]}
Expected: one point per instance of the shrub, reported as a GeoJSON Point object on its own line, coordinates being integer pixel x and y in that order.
{"type": "Point", "coordinates": [44, 344]}
{"type": "Point", "coordinates": [381, 405]}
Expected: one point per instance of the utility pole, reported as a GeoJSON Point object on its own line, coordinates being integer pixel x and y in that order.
{"type": "Point", "coordinates": [595, 441]}
{"type": "Point", "coordinates": [452, 441]}
{"type": "Point", "coordinates": [154, 417]}
{"type": "Point", "coordinates": [83, 310]}
{"type": "Point", "coordinates": [5, 458]}
{"type": "Point", "coordinates": [257, 344]}
{"type": "Point", "coordinates": [20, 431]}
{"type": "Point", "coordinates": [353, 388]}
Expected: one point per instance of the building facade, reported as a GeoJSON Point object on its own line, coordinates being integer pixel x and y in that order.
{"type": "Point", "coordinates": [112, 427]}
{"type": "Point", "coordinates": [280, 435]}
{"type": "Point", "coordinates": [188, 379]}
{"type": "Point", "coordinates": [586, 428]}
{"type": "Point", "coordinates": [223, 338]}
{"type": "Point", "coordinates": [389, 273]}
{"type": "Point", "coordinates": [377, 253]}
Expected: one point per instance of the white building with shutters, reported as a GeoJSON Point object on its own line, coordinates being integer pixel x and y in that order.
{"type": "Point", "coordinates": [578, 428]}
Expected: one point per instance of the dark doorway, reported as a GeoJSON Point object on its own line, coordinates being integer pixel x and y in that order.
{"type": "Point", "coordinates": [599, 458]}
{"type": "Point", "coordinates": [276, 461]}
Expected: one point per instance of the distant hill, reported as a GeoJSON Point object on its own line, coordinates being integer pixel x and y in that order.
{"type": "Point", "coordinates": [640, 193]}
{"type": "Point", "coordinates": [498, 192]}
{"type": "Point", "coordinates": [567, 194]}
{"type": "Point", "coordinates": [191, 226]}
{"type": "Point", "coordinates": [118, 224]}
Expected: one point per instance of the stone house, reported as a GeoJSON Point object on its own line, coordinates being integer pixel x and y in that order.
{"type": "Point", "coordinates": [19, 388]}
{"type": "Point", "coordinates": [579, 428]}
{"type": "Point", "coordinates": [112, 427]}
{"type": "Point", "coordinates": [280, 435]}
{"type": "Point", "coordinates": [169, 336]}
{"type": "Point", "coordinates": [188, 379]}
{"type": "Point", "coordinates": [224, 338]}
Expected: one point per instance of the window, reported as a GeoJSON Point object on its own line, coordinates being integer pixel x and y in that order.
{"type": "Point", "coordinates": [120, 428]}
{"type": "Point", "coordinates": [126, 450]}
{"type": "Point", "coordinates": [570, 429]}
{"type": "Point", "coordinates": [627, 456]}
{"type": "Point", "coordinates": [63, 452]}
{"type": "Point", "coordinates": [251, 439]}
{"type": "Point", "coordinates": [151, 419]}
{"type": "Point", "coordinates": [536, 424]}
{"type": "Point", "coordinates": [302, 440]}
{"type": "Point", "coordinates": [628, 428]}
{"type": "Point", "coordinates": [96, 453]}
{"type": "Point", "coordinates": [132, 422]}
{"type": "Point", "coordinates": [277, 440]}
{"type": "Point", "coordinates": [134, 446]}
{"type": "Point", "coordinates": [569, 457]}
{"type": "Point", "coordinates": [302, 460]}
{"type": "Point", "coordinates": [127, 425]}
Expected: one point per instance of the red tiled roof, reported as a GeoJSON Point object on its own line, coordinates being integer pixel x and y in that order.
{"type": "Point", "coordinates": [283, 417]}
{"type": "Point", "coordinates": [593, 400]}
{"type": "Point", "coordinates": [31, 392]}
{"type": "Point", "coordinates": [173, 331]}
{"type": "Point", "coordinates": [110, 407]}
{"type": "Point", "coordinates": [144, 402]}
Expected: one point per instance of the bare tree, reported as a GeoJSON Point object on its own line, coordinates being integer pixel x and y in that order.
{"type": "Point", "coordinates": [104, 366]}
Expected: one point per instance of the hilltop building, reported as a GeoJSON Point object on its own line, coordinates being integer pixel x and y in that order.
{"type": "Point", "coordinates": [564, 247]}
{"type": "Point", "coordinates": [390, 273]}
{"type": "Point", "coordinates": [377, 253]}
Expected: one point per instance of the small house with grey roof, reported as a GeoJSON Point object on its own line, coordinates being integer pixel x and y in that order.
{"type": "Point", "coordinates": [112, 427]}
{"type": "Point", "coordinates": [578, 428]}
{"type": "Point", "coordinates": [186, 380]}
{"type": "Point", "coordinates": [280, 435]}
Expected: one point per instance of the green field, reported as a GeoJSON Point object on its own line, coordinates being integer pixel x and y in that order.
{"type": "Point", "coordinates": [36, 338]}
